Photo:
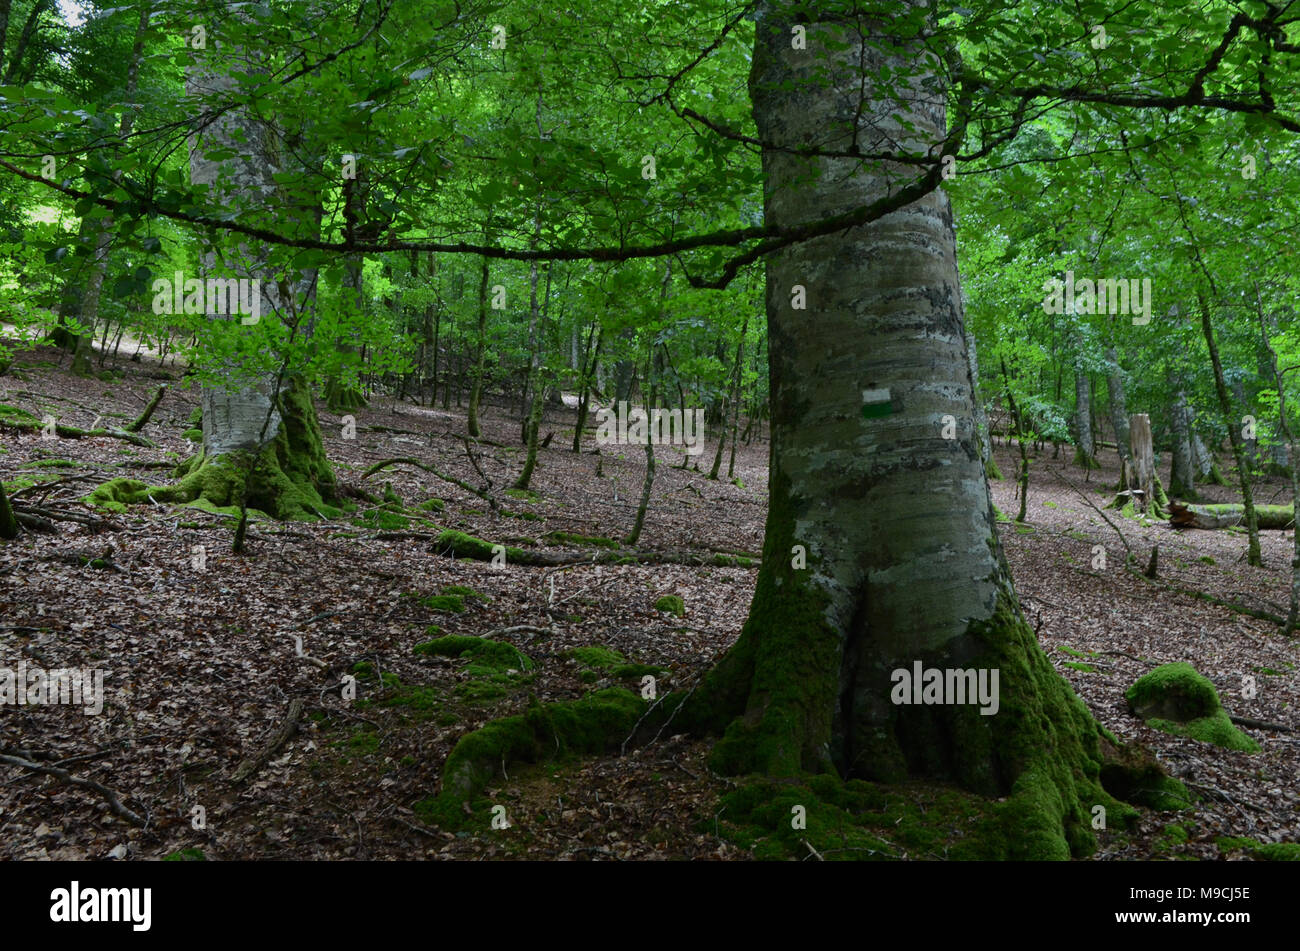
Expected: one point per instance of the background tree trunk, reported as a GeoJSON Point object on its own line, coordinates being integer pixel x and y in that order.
{"type": "Point", "coordinates": [1182, 475]}
{"type": "Point", "coordinates": [1118, 409]}
{"type": "Point", "coordinates": [1253, 555]}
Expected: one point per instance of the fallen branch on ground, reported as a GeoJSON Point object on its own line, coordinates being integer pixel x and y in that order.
{"type": "Point", "coordinates": [288, 726]}
{"type": "Point", "coordinates": [143, 418]}
{"type": "Point", "coordinates": [407, 460]}
{"type": "Point", "coordinates": [114, 804]}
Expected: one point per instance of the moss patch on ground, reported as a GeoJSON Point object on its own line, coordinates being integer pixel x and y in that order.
{"type": "Point", "coordinates": [466, 592]}
{"type": "Point", "coordinates": [453, 599]}
{"type": "Point", "coordinates": [595, 724]}
{"type": "Point", "coordinates": [673, 604]}
{"type": "Point", "coordinates": [386, 517]}
{"type": "Point", "coordinates": [597, 657]}
{"type": "Point", "coordinates": [1264, 851]}
{"type": "Point", "coordinates": [494, 668]}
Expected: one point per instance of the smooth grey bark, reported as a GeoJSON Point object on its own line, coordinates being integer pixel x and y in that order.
{"type": "Point", "coordinates": [236, 411]}
{"type": "Point", "coordinates": [901, 563]}
{"type": "Point", "coordinates": [1083, 454]}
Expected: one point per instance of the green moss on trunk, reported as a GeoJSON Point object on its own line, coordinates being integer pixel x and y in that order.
{"type": "Point", "coordinates": [341, 397]}
{"type": "Point", "coordinates": [784, 693]}
{"type": "Point", "coordinates": [290, 478]}
{"type": "Point", "coordinates": [8, 522]}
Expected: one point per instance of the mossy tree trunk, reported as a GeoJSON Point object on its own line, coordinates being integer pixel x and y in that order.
{"type": "Point", "coordinates": [8, 521]}
{"type": "Point", "coordinates": [903, 561]}
{"type": "Point", "coordinates": [261, 439]}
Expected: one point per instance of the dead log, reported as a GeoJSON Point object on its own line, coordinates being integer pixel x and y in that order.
{"type": "Point", "coordinates": [1271, 517]}
{"type": "Point", "coordinates": [72, 432]}
{"type": "Point", "coordinates": [456, 544]}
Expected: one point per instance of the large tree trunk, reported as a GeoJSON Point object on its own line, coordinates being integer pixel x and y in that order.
{"type": "Point", "coordinates": [903, 560]}
{"type": "Point", "coordinates": [261, 439]}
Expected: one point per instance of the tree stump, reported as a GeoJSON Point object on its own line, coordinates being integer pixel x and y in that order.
{"type": "Point", "coordinates": [1137, 481]}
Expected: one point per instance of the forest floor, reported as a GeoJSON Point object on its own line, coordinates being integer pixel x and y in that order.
{"type": "Point", "coordinates": [201, 664]}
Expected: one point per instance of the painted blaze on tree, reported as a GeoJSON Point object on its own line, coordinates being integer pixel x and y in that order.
{"type": "Point", "coordinates": [904, 564]}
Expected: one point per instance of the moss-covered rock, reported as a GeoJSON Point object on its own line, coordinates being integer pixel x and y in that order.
{"type": "Point", "coordinates": [1176, 699]}
{"type": "Point", "coordinates": [1173, 692]}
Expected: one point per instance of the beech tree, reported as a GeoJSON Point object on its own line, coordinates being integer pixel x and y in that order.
{"type": "Point", "coordinates": [873, 513]}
